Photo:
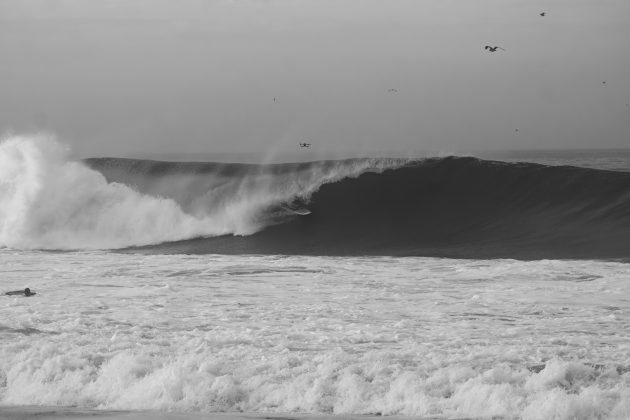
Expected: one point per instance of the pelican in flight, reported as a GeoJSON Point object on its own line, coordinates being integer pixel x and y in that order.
{"type": "Point", "coordinates": [305, 144]}
{"type": "Point", "coordinates": [492, 49]}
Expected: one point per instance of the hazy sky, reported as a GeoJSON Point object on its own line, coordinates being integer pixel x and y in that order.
{"type": "Point", "coordinates": [147, 77]}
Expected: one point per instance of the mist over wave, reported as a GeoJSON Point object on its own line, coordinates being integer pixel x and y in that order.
{"type": "Point", "coordinates": [50, 202]}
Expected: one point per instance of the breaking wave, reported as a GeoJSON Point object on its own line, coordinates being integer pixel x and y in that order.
{"type": "Point", "coordinates": [50, 202]}
{"type": "Point", "coordinates": [450, 207]}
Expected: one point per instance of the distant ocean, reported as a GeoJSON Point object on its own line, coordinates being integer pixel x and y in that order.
{"type": "Point", "coordinates": [490, 286]}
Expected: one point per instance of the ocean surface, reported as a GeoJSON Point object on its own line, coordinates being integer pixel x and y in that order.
{"type": "Point", "coordinates": [452, 287]}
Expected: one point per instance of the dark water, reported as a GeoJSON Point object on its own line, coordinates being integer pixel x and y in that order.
{"type": "Point", "coordinates": [612, 160]}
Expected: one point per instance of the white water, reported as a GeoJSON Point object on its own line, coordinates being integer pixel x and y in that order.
{"type": "Point", "coordinates": [50, 202]}
{"type": "Point", "coordinates": [411, 336]}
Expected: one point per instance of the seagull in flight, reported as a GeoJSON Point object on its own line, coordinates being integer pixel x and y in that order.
{"type": "Point", "coordinates": [305, 144]}
{"type": "Point", "coordinates": [492, 49]}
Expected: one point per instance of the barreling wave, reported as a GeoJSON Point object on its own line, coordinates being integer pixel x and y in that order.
{"type": "Point", "coordinates": [450, 207]}
{"type": "Point", "coordinates": [459, 207]}
{"type": "Point", "coordinates": [50, 202]}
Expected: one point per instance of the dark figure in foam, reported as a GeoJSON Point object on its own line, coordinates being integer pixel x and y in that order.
{"type": "Point", "coordinates": [26, 292]}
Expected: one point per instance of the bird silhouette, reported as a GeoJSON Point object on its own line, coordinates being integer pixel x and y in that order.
{"type": "Point", "coordinates": [392, 90]}
{"type": "Point", "coordinates": [492, 49]}
{"type": "Point", "coordinates": [543, 14]}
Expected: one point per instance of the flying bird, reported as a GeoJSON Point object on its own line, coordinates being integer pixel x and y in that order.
{"type": "Point", "coordinates": [305, 144]}
{"type": "Point", "coordinates": [492, 49]}
{"type": "Point", "coordinates": [392, 90]}
{"type": "Point", "coordinates": [543, 14]}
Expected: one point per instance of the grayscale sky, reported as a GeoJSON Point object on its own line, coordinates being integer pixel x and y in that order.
{"type": "Point", "coordinates": [149, 77]}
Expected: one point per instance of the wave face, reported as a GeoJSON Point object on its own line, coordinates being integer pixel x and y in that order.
{"type": "Point", "coordinates": [448, 207]}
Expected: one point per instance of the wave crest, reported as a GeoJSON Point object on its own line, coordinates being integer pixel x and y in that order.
{"type": "Point", "coordinates": [50, 202]}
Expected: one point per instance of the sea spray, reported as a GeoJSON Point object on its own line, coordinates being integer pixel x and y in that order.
{"type": "Point", "coordinates": [47, 201]}
{"type": "Point", "coordinates": [50, 202]}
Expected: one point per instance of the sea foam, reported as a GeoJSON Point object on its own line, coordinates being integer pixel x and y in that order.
{"type": "Point", "coordinates": [395, 336]}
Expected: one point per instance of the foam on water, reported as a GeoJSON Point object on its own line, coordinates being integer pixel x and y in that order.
{"type": "Point", "coordinates": [408, 336]}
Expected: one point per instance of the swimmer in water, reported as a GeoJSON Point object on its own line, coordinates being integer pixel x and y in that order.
{"type": "Point", "coordinates": [26, 292]}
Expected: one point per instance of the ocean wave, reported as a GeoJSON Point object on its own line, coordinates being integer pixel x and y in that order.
{"type": "Point", "coordinates": [50, 202]}
{"type": "Point", "coordinates": [449, 207]}
{"type": "Point", "coordinates": [459, 207]}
